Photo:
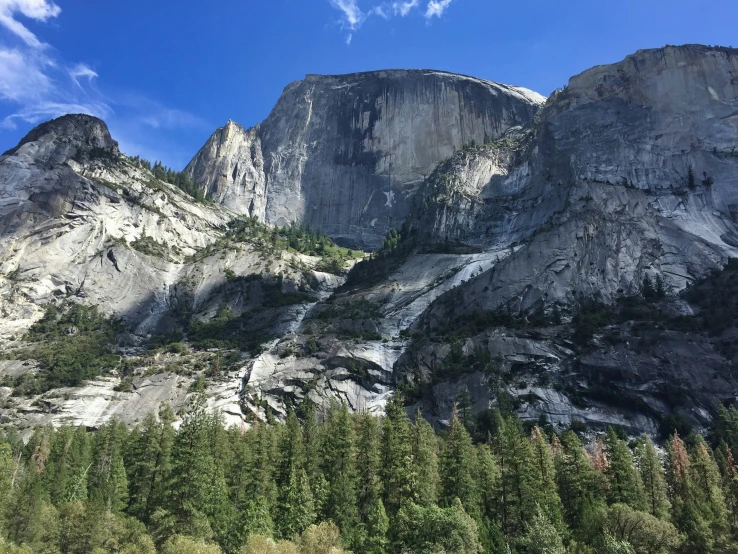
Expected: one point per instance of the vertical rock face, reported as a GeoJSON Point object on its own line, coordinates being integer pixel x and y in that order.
{"type": "Point", "coordinates": [230, 169]}
{"type": "Point", "coordinates": [346, 153]}
{"type": "Point", "coordinates": [647, 120]}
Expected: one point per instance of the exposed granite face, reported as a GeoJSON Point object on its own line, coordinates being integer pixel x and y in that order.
{"type": "Point", "coordinates": [230, 169]}
{"type": "Point", "coordinates": [580, 198]}
{"type": "Point", "coordinates": [632, 378]}
{"type": "Point", "coordinates": [346, 153]}
{"type": "Point", "coordinates": [81, 223]}
{"type": "Point", "coordinates": [70, 209]}
{"type": "Point", "coordinates": [599, 191]}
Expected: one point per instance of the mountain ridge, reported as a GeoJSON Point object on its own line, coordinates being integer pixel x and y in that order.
{"type": "Point", "coordinates": [537, 222]}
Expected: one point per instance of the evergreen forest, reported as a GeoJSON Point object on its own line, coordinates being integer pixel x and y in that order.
{"type": "Point", "coordinates": [328, 481]}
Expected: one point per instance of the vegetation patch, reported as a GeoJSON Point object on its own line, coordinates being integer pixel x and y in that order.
{"type": "Point", "coordinates": [395, 251]}
{"type": "Point", "coordinates": [72, 343]}
{"type": "Point", "coordinates": [151, 247]}
{"type": "Point", "coordinates": [269, 241]}
{"type": "Point", "coordinates": [180, 179]}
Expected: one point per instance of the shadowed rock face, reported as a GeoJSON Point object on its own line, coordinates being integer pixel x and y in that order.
{"type": "Point", "coordinates": [346, 153]}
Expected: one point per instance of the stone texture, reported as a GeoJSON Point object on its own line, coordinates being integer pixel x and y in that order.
{"type": "Point", "coordinates": [346, 153]}
{"type": "Point", "coordinates": [582, 196]}
{"type": "Point", "coordinates": [597, 190]}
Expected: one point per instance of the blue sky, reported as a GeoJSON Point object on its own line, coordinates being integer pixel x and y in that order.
{"type": "Point", "coordinates": [165, 73]}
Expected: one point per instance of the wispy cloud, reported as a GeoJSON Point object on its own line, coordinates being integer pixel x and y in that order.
{"type": "Point", "coordinates": [22, 77]}
{"type": "Point", "coordinates": [36, 84]}
{"type": "Point", "coordinates": [40, 10]}
{"type": "Point", "coordinates": [81, 70]}
{"type": "Point", "coordinates": [436, 8]}
{"type": "Point", "coordinates": [404, 8]}
{"type": "Point", "coordinates": [353, 16]}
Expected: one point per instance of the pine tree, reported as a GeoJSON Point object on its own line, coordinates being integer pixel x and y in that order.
{"type": "Point", "coordinates": [693, 510]}
{"type": "Point", "coordinates": [397, 462]}
{"type": "Point", "coordinates": [548, 495]}
{"type": "Point", "coordinates": [374, 521]}
{"type": "Point", "coordinates": [425, 461]}
{"type": "Point", "coordinates": [652, 477]}
{"type": "Point", "coordinates": [458, 469]}
{"type": "Point", "coordinates": [108, 482]}
{"type": "Point", "coordinates": [238, 477]}
{"type": "Point", "coordinates": [520, 486]}
{"type": "Point", "coordinates": [196, 489]}
{"type": "Point", "coordinates": [706, 478]}
{"type": "Point", "coordinates": [677, 467]}
{"type": "Point", "coordinates": [149, 463]}
{"type": "Point", "coordinates": [726, 426]}
{"type": "Point", "coordinates": [340, 471]}
{"type": "Point", "coordinates": [295, 510]}
{"type": "Point", "coordinates": [24, 522]}
{"type": "Point", "coordinates": [254, 493]}
{"type": "Point", "coordinates": [313, 456]}
{"type": "Point", "coordinates": [264, 458]}
{"type": "Point", "coordinates": [256, 518]}
{"type": "Point", "coordinates": [488, 484]}
{"type": "Point", "coordinates": [578, 486]}
{"type": "Point", "coordinates": [729, 477]}
{"type": "Point", "coordinates": [65, 477]}
{"type": "Point", "coordinates": [624, 483]}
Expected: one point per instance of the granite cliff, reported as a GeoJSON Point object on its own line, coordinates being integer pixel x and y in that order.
{"type": "Point", "coordinates": [346, 153]}
{"type": "Point", "coordinates": [561, 257]}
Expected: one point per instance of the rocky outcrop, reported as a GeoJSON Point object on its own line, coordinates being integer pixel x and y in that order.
{"type": "Point", "coordinates": [71, 136]}
{"type": "Point", "coordinates": [75, 217]}
{"type": "Point", "coordinates": [346, 153]}
{"type": "Point", "coordinates": [230, 169]}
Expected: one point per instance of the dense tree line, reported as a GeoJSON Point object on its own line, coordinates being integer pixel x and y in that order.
{"type": "Point", "coordinates": [325, 482]}
{"type": "Point", "coordinates": [178, 178]}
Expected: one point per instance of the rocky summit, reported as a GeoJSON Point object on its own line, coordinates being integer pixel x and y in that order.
{"type": "Point", "coordinates": [571, 258]}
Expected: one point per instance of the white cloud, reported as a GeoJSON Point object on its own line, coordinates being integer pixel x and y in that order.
{"type": "Point", "coordinates": [403, 8]}
{"type": "Point", "coordinates": [45, 110]}
{"type": "Point", "coordinates": [36, 85]}
{"type": "Point", "coordinates": [353, 16]}
{"type": "Point", "coordinates": [380, 11]}
{"type": "Point", "coordinates": [39, 10]}
{"type": "Point", "coordinates": [81, 70]}
{"type": "Point", "coordinates": [165, 118]}
{"type": "Point", "coordinates": [436, 8]}
{"type": "Point", "coordinates": [22, 77]}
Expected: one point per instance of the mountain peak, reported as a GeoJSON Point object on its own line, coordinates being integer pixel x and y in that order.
{"type": "Point", "coordinates": [61, 138]}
